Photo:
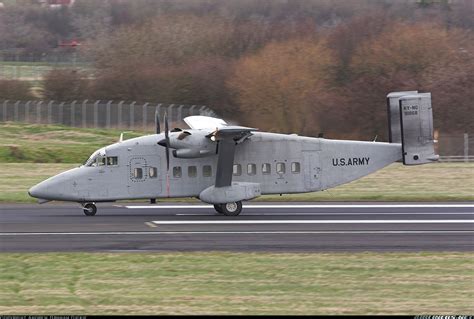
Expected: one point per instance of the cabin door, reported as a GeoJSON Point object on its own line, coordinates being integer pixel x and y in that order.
{"type": "Point", "coordinates": [144, 176]}
{"type": "Point", "coordinates": [312, 170]}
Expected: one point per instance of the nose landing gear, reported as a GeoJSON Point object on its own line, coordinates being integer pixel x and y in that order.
{"type": "Point", "coordinates": [89, 209]}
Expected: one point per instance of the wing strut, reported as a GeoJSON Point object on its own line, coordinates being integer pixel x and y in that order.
{"type": "Point", "coordinates": [225, 162]}
{"type": "Point", "coordinates": [228, 138]}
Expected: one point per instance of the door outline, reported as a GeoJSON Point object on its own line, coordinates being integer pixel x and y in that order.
{"type": "Point", "coordinates": [312, 170]}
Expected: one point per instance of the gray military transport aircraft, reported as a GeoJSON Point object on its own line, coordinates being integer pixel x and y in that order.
{"type": "Point", "coordinates": [223, 165]}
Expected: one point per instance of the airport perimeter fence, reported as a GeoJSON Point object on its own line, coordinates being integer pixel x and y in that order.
{"type": "Point", "coordinates": [99, 114]}
{"type": "Point", "coordinates": [141, 117]}
{"type": "Point", "coordinates": [455, 147]}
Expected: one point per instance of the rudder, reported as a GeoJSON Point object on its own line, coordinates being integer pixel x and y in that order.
{"type": "Point", "coordinates": [416, 126]}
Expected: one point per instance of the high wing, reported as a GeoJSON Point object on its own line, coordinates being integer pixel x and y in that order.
{"type": "Point", "coordinates": [227, 137]}
{"type": "Point", "coordinates": [200, 122]}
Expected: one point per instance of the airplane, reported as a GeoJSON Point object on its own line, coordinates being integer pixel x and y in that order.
{"type": "Point", "coordinates": [223, 164]}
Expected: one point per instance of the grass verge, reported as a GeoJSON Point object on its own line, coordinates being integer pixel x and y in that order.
{"type": "Point", "coordinates": [433, 182]}
{"type": "Point", "coordinates": [21, 143]}
{"type": "Point", "coordinates": [237, 283]}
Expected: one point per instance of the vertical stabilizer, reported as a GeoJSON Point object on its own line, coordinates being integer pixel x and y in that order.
{"type": "Point", "coordinates": [393, 111]}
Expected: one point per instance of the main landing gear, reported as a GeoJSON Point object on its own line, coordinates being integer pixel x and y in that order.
{"type": "Point", "coordinates": [229, 209]}
{"type": "Point", "coordinates": [89, 209]}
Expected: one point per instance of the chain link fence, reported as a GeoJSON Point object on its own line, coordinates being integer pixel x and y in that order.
{"type": "Point", "coordinates": [141, 117]}
{"type": "Point", "coordinates": [98, 114]}
{"type": "Point", "coordinates": [456, 147]}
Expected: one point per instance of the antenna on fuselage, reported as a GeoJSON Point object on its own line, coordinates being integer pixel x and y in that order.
{"type": "Point", "coordinates": [121, 137]}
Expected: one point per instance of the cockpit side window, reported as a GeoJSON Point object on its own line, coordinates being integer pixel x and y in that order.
{"type": "Point", "coordinates": [112, 160]}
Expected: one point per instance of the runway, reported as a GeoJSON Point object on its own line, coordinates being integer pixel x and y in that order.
{"type": "Point", "coordinates": [270, 227]}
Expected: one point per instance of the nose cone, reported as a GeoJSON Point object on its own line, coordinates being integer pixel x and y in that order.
{"type": "Point", "coordinates": [38, 191]}
{"type": "Point", "coordinates": [58, 187]}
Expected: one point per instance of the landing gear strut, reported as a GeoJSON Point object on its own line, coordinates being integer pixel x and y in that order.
{"type": "Point", "coordinates": [229, 209]}
{"type": "Point", "coordinates": [89, 209]}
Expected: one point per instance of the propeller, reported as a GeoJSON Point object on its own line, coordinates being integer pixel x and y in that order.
{"type": "Point", "coordinates": [165, 143]}
{"type": "Point", "coordinates": [167, 139]}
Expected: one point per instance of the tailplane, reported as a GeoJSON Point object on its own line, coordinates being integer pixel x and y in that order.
{"type": "Point", "coordinates": [414, 126]}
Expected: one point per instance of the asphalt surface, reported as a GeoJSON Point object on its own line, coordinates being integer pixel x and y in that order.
{"type": "Point", "coordinates": [271, 227]}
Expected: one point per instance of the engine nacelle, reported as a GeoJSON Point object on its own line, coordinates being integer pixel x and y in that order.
{"type": "Point", "coordinates": [191, 153]}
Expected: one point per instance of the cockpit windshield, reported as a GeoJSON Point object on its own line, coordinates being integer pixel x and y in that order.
{"type": "Point", "coordinates": [96, 159]}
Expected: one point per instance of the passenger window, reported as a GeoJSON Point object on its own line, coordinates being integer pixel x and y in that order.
{"type": "Point", "coordinates": [112, 160]}
{"type": "Point", "coordinates": [152, 172]}
{"type": "Point", "coordinates": [280, 168]}
{"type": "Point", "coordinates": [251, 169]}
{"type": "Point", "coordinates": [237, 170]}
{"type": "Point", "coordinates": [207, 170]}
{"type": "Point", "coordinates": [177, 173]}
{"type": "Point", "coordinates": [138, 173]}
{"type": "Point", "coordinates": [295, 167]}
{"type": "Point", "coordinates": [192, 171]}
{"type": "Point", "coordinates": [266, 168]}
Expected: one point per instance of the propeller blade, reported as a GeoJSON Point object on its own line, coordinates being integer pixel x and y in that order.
{"type": "Point", "coordinates": [167, 138]}
{"type": "Point", "coordinates": [157, 121]}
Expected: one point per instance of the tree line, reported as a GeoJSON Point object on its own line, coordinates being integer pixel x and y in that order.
{"type": "Point", "coordinates": [292, 66]}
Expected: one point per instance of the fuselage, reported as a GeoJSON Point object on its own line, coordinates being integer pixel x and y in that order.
{"type": "Point", "coordinates": [281, 164]}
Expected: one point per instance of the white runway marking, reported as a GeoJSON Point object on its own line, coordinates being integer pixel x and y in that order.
{"type": "Point", "coordinates": [347, 221]}
{"type": "Point", "coordinates": [315, 214]}
{"type": "Point", "coordinates": [245, 232]}
{"type": "Point", "coordinates": [310, 206]}
{"type": "Point", "coordinates": [150, 224]}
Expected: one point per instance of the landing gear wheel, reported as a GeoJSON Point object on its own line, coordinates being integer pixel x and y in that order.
{"type": "Point", "coordinates": [231, 209]}
{"type": "Point", "coordinates": [218, 208]}
{"type": "Point", "coordinates": [90, 209]}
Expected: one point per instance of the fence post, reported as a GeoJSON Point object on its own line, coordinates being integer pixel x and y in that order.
{"type": "Point", "coordinates": [191, 109]}
{"type": "Point", "coordinates": [131, 124]}
{"type": "Point", "coordinates": [144, 115]}
{"type": "Point", "coordinates": [180, 112]}
{"type": "Point", "coordinates": [15, 112]}
{"type": "Point", "coordinates": [107, 115]}
{"type": "Point", "coordinates": [201, 110]}
{"type": "Point", "coordinates": [157, 111]}
{"type": "Point", "coordinates": [170, 112]}
{"type": "Point", "coordinates": [73, 113]}
{"type": "Point", "coordinates": [466, 147]}
{"type": "Point", "coordinates": [50, 112]}
{"type": "Point", "coordinates": [38, 112]}
{"type": "Point", "coordinates": [119, 114]}
{"type": "Point", "coordinates": [27, 111]}
{"type": "Point", "coordinates": [4, 115]}
{"type": "Point", "coordinates": [61, 113]}
{"type": "Point", "coordinates": [96, 113]}
{"type": "Point", "coordinates": [84, 113]}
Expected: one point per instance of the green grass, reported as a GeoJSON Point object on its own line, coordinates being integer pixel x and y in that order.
{"type": "Point", "coordinates": [237, 283]}
{"type": "Point", "coordinates": [52, 143]}
{"type": "Point", "coordinates": [433, 182]}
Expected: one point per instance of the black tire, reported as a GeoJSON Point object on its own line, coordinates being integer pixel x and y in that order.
{"type": "Point", "coordinates": [218, 208]}
{"type": "Point", "coordinates": [90, 209]}
{"type": "Point", "coordinates": [232, 209]}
